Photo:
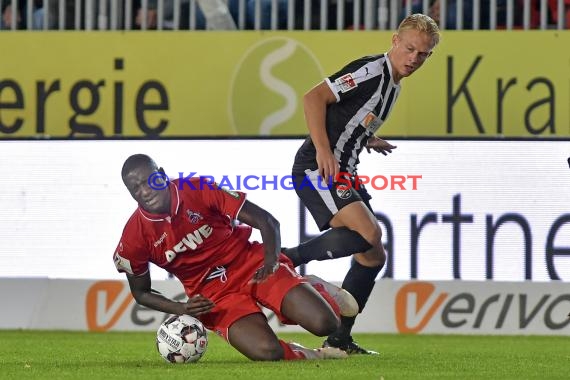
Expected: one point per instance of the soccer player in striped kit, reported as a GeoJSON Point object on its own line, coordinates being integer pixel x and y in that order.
{"type": "Point", "coordinates": [343, 113]}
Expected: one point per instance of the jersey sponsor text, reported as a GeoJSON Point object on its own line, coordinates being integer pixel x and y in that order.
{"type": "Point", "coordinates": [191, 241]}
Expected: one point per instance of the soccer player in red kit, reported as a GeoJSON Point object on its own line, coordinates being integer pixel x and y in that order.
{"type": "Point", "coordinates": [188, 228]}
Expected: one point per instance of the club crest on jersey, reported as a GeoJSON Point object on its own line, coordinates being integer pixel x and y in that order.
{"type": "Point", "coordinates": [346, 83]}
{"type": "Point", "coordinates": [194, 217]}
{"type": "Point", "coordinates": [343, 192]}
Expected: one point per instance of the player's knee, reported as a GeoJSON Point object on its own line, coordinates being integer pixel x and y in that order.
{"type": "Point", "coordinates": [267, 351]}
{"type": "Point", "coordinates": [375, 257]}
{"type": "Point", "coordinates": [375, 237]}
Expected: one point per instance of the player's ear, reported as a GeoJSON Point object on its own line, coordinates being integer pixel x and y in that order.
{"type": "Point", "coordinates": [161, 170]}
{"type": "Point", "coordinates": [395, 38]}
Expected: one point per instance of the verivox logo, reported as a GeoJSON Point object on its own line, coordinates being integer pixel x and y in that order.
{"type": "Point", "coordinates": [105, 303]}
{"type": "Point", "coordinates": [482, 307]}
{"type": "Point", "coordinates": [416, 303]}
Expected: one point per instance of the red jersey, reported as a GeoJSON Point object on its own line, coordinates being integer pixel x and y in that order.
{"type": "Point", "coordinates": [197, 236]}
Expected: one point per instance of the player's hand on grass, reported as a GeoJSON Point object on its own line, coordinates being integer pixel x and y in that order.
{"type": "Point", "coordinates": [380, 146]}
{"type": "Point", "coordinates": [197, 305]}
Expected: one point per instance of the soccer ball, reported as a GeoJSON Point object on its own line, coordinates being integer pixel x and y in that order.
{"type": "Point", "coordinates": [181, 339]}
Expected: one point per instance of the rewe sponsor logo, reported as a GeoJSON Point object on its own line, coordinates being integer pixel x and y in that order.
{"type": "Point", "coordinates": [191, 241]}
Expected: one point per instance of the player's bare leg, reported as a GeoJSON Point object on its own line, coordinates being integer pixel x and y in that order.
{"type": "Point", "coordinates": [306, 307]}
{"type": "Point", "coordinates": [267, 346]}
{"type": "Point", "coordinates": [346, 303]}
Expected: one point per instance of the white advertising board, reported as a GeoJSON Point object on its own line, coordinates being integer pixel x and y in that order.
{"type": "Point", "coordinates": [408, 307]}
{"type": "Point", "coordinates": [481, 209]}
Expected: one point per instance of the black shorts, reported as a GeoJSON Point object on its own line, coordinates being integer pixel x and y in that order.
{"type": "Point", "coordinates": [323, 200]}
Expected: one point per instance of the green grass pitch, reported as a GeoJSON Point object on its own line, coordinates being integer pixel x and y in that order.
{"type": "Point", "coordinates": [132, 355]}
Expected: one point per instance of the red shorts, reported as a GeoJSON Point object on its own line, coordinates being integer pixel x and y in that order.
{"type": "Point", "coordinates": [234, 295]}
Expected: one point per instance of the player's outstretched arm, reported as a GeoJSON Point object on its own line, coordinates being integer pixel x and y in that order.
{"type": "Point", "coordinates": [144, 295]}
{"type": "Point", "coordinates": [269, 228]}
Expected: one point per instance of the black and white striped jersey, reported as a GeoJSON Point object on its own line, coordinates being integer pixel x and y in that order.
{"type": "Point", "coordinates": [365, 93]}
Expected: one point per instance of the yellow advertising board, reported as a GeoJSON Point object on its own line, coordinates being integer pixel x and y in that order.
{"type": "Point", "coordinates": [196, 84]}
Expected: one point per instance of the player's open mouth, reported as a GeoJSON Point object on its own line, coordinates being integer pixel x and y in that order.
{"type": "Point", "coordinates": [150, 202]}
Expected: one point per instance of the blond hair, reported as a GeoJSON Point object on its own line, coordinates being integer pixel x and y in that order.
{"type": "Point", "coordinates": [421, 23]}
